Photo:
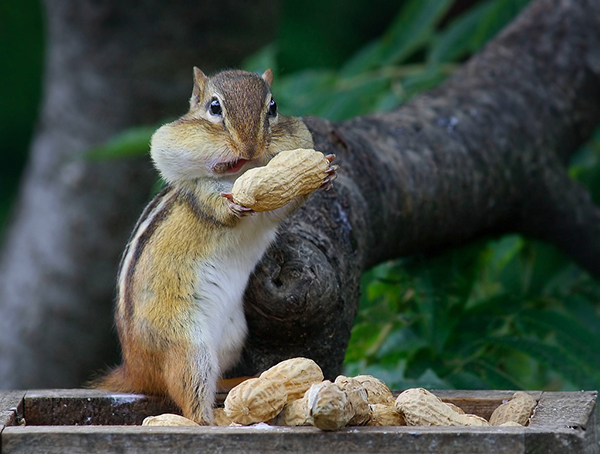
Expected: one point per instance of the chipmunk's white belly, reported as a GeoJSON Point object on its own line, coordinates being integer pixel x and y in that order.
{"type": "Point", "coordinates": [222, 280]}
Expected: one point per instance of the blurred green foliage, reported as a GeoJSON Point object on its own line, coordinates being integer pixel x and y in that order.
{"type": "Point", "coordinates": [502, 313]}
{"type": "Point", "coordinates": [21, 57]}
{"type": "Point", "coordinates": [414, 53]}
{"type": "Point", "coordinates": [327, 33]}
{"type": "Point", "coordinates": [509, 313]}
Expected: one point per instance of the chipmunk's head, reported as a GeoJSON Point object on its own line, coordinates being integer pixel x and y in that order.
{"type": "Point", "coordinates": [228, 128]}
{"type": "Point", "coordinates": [233, 124]}
{"type": "Point", "coordinates": [239, 108]}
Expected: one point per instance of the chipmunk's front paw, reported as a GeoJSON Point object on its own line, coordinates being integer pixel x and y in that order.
{"type": "Point", "coordinates": [331, 173]}
{"type": "Point", "coordinates": [237, 209]}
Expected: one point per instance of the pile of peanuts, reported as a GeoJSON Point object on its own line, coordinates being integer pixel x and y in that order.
{"type": "Point", "coordinates": [293, 393]}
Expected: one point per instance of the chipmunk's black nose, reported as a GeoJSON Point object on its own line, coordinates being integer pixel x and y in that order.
{"type": "Point", "coordinates": [248, 150]}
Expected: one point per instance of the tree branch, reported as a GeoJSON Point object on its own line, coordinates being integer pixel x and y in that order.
{"type": "Point", "coordinates": [483, 154]}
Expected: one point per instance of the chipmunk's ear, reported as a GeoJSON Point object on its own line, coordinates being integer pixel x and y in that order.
{"type": "Point", "coordinates": [268, 77]}
{"type": "Point", "coordinates": [199, 84]}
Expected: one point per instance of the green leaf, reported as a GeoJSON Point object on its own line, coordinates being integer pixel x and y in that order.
{"type": "Point", "coordinates": [439, 319]}
{"type": "Point", "coordinates": [260, 61]}
{"type": "Point", "coordinates": [418, 83]}
{"type": "Point", "coordinates": [586, 166]}
{"type": "Point", "coordinates": [493, 376]}
{"type": "Point", "coordinates": [305, 92]}
{"type": "Point", "coordinates": [412, 29]}
{"type": "Point", "coordinates": [131, 143]}
{"type": "Point", "coordinates": [460, 38]}
{"type": "Point", "coordinates": [585, 310]}
{"type": "Point", "coordinates": [367, 58]}
{"type": "Point", "coordinates": [468, 33]}
{"type": "Point", "coordinates": [504, 251]}
{"type": "Point", "coordinates": [555, 357]}
{"type": "Point", "coordinates": [355, 100]}
{"type": "Point", "coordinates": [464, 379]}
{"type": "Point", "coordinates": [572, 334]}
{"type": "Point", "coordinates": [431, 380]}
{"type": "Point", "coordinates": [389, 101]}
{"type": "Point", "coordinates": [549, 263]}
{"type": "Point", "coordinates": [401, 342]}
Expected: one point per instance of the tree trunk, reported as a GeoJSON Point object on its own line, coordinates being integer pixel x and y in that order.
{"type": "Point", "coordinates": [483, 154]}
{"type": "Point", "coordinates": [109, 66]}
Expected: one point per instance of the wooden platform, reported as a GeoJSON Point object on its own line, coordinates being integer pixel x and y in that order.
{"type": "Point", "coordinates": [90, 421]}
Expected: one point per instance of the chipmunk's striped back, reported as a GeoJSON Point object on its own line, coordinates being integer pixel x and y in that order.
{"type": "Point", "coordinates": [152, 215]}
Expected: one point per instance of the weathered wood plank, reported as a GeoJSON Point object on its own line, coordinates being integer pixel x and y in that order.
{"type": "Point", "coordinates": [128, 439]}
{"type": "Point", "coordinates": [86, 407]}
{"type": "Point", "coordinates": [559, 440]}
{"type": "Point", "coordinates": [566, 413]}
{"type": "Point", "coordinates": [566, 409]}
{"type": "Point", "coordinates": [11, 407]}
{"type": "Point", "coordinates": [8, 418]}
{"type": "Point", "coordinates": [11, 400]}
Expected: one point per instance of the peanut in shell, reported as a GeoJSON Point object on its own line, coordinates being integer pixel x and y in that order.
{"type": "Point", "coordinates": [518, 409]}
{"type": "Point", "coordinates": [377, 390]}
{"type": "Point", "coordinates": [357, 399]}
{"type": "Point", "coordinates": [327, 406]}
{"type": "Point", "coordinates": [456, 408]}
{"type": "Point", "coordinates": [510, 424]}
{"type": "Point", "coordinates": [288, 175]}
{"type": "Point", "coordinates": [255, 400]}
{"type": "Point", "coordinates": [385, 415]}
{"type": "Point", "coordinates": [421, 408]}
{"type": "Point", "coordinates": [294, 413]}
{"type": "Point", "coordinates": [297, 375]}
{"type": "Point", "coordinates": [168, 419]}
{"type": "Point", "coordinates": [221, 419]}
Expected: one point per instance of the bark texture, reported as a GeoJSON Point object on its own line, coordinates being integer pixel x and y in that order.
{"type": "Point", "coordinates": [109, 66]}
{"type": "Point", "coordinates": [484, 154]}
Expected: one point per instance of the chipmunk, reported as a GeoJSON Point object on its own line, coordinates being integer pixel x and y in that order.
{"type": "Point", "coordinates": [179, 311]}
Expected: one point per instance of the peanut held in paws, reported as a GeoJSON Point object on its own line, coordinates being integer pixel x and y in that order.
{"type": "Point", "coordinates": [288, 175]}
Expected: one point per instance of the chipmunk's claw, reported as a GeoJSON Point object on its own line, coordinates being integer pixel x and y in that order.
{"type": "Point", "coordinates": [237, 209]}
{"type": "Point", "coordinates": [332, 170]}
{"type": "Point", "coordinates": [332, 175]}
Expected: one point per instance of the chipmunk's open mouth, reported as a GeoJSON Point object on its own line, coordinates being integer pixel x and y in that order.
{"type": "Point", "coordinates": [230, 167]}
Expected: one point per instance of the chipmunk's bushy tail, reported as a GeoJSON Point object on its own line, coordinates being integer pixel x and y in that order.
{"type": "Point", "coordinates": [116, 380]}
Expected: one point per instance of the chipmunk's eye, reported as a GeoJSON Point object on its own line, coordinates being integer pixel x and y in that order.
{"type": "Point", "coordinates": [272, 108]}
{"type": "Point", "coordinates": [215, 107]}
